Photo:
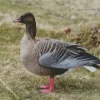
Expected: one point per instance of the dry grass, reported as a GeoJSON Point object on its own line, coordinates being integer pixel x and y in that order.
{"type": "Point", "coordinates": [16, 82]}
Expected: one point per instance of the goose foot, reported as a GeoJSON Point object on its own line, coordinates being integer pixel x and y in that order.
{"type": "Point", "coordinates": [48, 88]}
{"type": "Point", "coordinates": [44, 86]}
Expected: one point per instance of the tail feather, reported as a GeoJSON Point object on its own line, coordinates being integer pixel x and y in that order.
{"type": "Point", "coordinates": [90, 68]}
{"type": "Point", "coordinates": [94, 59]}
{"type": "Point", "coordinates": [96, 66]}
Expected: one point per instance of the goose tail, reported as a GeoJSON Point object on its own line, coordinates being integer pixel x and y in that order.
{"type": "Point", "coordinates": [90, 68]}
{"type": "Point", "coordinates": [96, 66]}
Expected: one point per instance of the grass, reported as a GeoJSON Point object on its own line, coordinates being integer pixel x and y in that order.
{"type": "Point", "coordinates": [18, 83]}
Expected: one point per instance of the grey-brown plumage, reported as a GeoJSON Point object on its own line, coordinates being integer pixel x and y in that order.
{"type": "Point", "coordinates": [31, 51]}
{"type": "Point", "coordinates": [50, 56]}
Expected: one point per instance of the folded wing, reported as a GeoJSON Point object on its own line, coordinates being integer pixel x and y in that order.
{"type": "Point", "coordinates": [69, 56]}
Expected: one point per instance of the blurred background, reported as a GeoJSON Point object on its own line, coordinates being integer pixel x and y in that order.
{"type": "Point", "coordinates": [73, 21]}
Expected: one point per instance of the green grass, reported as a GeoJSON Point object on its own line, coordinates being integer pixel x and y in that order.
{"type": "Point", "coordinates": [18, 83]}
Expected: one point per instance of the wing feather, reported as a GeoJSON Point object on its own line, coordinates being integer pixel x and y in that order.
{"type": "Point", "coordinates": [64, 55]}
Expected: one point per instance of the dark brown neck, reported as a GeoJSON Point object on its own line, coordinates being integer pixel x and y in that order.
{"type": "Point", "coordinates": [31, 30]}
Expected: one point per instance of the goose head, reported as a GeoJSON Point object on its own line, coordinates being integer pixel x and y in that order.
{"type": "Point", "coordinates": [29, 20]}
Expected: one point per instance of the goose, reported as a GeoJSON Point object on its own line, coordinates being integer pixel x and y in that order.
{"type": "Point", "coordinates": [50, 57]}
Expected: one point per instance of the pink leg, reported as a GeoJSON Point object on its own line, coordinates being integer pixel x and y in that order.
{"type": "Point", "coordinates": [50, 88]}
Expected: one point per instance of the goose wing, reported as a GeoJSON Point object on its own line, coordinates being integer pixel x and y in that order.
{"type": "Point", "coordinates": [68, 56]}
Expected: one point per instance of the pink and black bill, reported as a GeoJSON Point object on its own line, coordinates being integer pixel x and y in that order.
{"type": "Point", "coordinates": [17, 20]}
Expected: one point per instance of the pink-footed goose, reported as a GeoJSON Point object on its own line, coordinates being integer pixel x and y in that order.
{"type": "Point", "coordinates": [50, 56]}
